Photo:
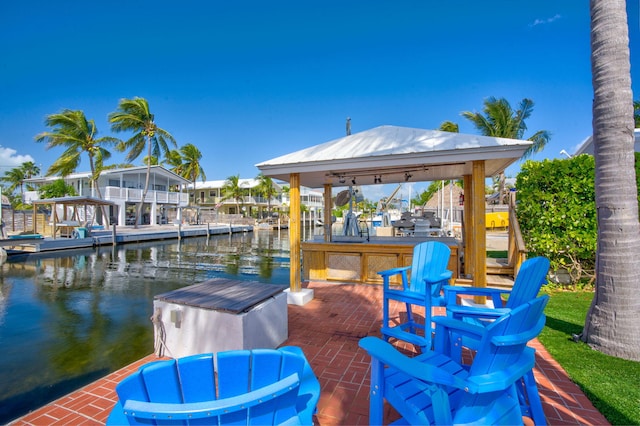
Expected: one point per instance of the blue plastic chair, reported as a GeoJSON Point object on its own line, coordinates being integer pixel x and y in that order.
{"type": "Point", "coordinates": [531, 276]}
{"type": "Point", "coordinates": [433, 388]}
{"type": "Point", "coordinates": [428, 274]}
{"type": "Point", "coordinates": [261, 386]}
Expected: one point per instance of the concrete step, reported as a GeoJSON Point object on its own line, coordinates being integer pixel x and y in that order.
{"type": "Point", "coordinates": [496, 281]}
{"type": "Point", "coordinates": [499, 266]}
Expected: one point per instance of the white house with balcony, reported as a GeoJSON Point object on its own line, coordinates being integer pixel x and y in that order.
{"type": "Point", "coordinates": [125, 187]}
{"type": "Point", "coordinates": [211, 194]}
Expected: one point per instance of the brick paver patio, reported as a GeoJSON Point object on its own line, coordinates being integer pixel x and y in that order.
{"type": "Point", "coordinates": [328, 330]}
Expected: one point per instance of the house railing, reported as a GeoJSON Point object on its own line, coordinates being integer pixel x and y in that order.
{"type": "Point", "coordinates": [133, 195]}
{"type": "Point", "coordinates": [517, 252]}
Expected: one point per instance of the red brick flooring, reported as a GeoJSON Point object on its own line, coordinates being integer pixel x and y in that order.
{"type": "Point", "coordinates": [328, 329]}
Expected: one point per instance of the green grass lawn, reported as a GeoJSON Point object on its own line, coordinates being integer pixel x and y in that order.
{"type": "Point", "coordinates": [612, 384]}
{"type": "Point", "coordinates": [497, 254]}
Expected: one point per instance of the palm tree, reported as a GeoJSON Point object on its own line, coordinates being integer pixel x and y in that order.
{"type": "Point", "coordinates": [191, 168]}
{"type": "Point", "coordinates": [636, 114]}
{"type": "Point", "coordinates": [30, 169]}
{"type": "Point", "coordinates": [134, 115]}
{"type": "Point", "coordinates": [449, 126]}
{"type": "Point", "coordinates": [266, 189]}
{"type": "Point", "coordinates": [612, 323]}
{"type": "Point", "coordinates": [71, 129]}
{"type": "Point", "coordinates": [498, 119]}
{"type": "Point", "coordinates": [232, 189]}
{"type": "Point", "coordinates": [173, 159]}
{"type": "Point", "coordinates": [153, 160]}
{"type": "Point", "coordinates": [15, 178]}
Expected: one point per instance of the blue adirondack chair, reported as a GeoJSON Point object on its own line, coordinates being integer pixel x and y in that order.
{"type": "Point", "coordinates": [433, 388]}
{"type": "Point", "coordinates": [531, 276]}
{"type": "Point", "coordinates": [428, 274]}
{"type": "Point", "coordinates": [260, 386]}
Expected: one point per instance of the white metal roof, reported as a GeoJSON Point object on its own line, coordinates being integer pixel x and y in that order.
{"type": "Point", "coordinates": [135, 170]}
{"type": "Point", "coordinates": [586, 147]}
{"type": "Point", "coordinates": [395, 154]}
{"type": "Point", "coordinates": [220, 183]}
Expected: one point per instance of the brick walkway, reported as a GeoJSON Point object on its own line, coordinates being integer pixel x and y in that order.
{"type": "Point", "coordinates": [328, 329]}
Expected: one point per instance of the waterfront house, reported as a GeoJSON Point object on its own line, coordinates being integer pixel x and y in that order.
{"type": "Point", "coordinates": [586, 147]}
{"type": "Point", "coordinates": [211, 195]}
{"type": "Point", "coordinates": [123, 187]}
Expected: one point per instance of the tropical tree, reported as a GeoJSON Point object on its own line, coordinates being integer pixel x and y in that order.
{"type": "Point", "coordinates": [612, 323]}
{"type": "Point", "coordinates": [133, 115]}
{"type": "Point", "coordinates": [232, 189]}
{"type": "Point", "coordinates": [57, 188]}
{"type": "Point", "coordinates": [266, 189]}
{"type": "Point", "coordinates": [190, 167]}
{"type": "Point", "coordinates": [498, 119]}
{"type": "Point", "coordinates": [15, 178]}
{"type": "Point", "coordinates": [173, 160]}
{"type": "Point", "coordinates": [30, 169]}
{"type": "Point", "coordinates": [636, 114]}
{"type": "Point", "coordinates": [72, 130]}
{"type": "Point", "coordinates": [153, 160]}
{"type": "Point", "coordinates": [450, 126]}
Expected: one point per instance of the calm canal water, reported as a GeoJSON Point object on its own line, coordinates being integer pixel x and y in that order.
{"type": "Point", "coordinates": [70, 318]}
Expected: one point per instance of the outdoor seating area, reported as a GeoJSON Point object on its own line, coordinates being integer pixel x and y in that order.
{"type": "Point", "coordinates": [436, 387]}
{"type": "Point", "coordinates": [328, 330]}
{"type": "Point", "coordinates": [262, 386]}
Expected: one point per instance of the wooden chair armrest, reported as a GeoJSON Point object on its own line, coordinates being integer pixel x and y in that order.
{"type": "Point", "coordinates": [447, 325]}
{"type": "Point", "coordinates": [198, 410]}
{"type": "Point", "coordinates": [445, 276]}
{"type": "Point", "coordinates": [402, 270]}
{"type": "Point", "coordinates": [520, 338]}
{"type": "Point", "coordinates": [499, 380]}
{"type": "Point", "coordinates": [388, 355]}
{"type": "Point", "coordinates": [459, 312]}
{"type": "Point", "coordinates": [394, 271]}
{"type": "Point", "coordinates": [451, 292]}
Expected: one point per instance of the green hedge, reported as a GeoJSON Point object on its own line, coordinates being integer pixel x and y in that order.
{"type": "Point", "coordinates": [557, 214]}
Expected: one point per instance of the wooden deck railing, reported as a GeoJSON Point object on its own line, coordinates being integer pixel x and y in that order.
{"type": "Point", "coordinates": [517, 252]}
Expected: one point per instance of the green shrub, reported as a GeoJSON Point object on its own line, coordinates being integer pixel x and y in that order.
{"type": "Point", "coordinates": [557, 213]}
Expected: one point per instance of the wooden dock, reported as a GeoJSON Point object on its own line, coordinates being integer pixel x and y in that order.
{"type": "Point", "coordinates": [121, 235]}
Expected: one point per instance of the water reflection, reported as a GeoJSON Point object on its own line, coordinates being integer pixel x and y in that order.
{"type": "Point", "coordinates": [70, 318]}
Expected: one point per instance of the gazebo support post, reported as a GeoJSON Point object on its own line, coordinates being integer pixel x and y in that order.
{"type": "Point", "coordinates": [468, 226]}
{"type": "Point", "coordinates": [327, 213]}
{"type": "Point", "coordinates": [296, 295]}
{"type": "Point", "coordinates": [479, 240]}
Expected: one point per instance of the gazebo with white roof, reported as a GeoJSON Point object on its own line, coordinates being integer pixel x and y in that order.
{"type": "Point", "coordinates": [391, 154]}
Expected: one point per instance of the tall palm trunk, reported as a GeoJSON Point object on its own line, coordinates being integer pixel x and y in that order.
{"type": "Point", "coordinates": [612, 323]}
{"type": "Point", "coordinates": [94, 183]}
{"type": "Point", "coordinates": [146, 185]}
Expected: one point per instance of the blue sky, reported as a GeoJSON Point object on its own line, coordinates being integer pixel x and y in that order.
{"type": "Point", "coordinates": [247, 81]}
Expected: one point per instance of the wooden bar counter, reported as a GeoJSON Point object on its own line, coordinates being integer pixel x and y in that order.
{"type": "Point", "coordinates": [354, 259]}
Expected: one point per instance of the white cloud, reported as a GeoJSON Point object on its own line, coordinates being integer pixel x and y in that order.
{"type": "Point", "coordinates": [9, 159]}
{"type": "Point", "coordinates": [545, 21]}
